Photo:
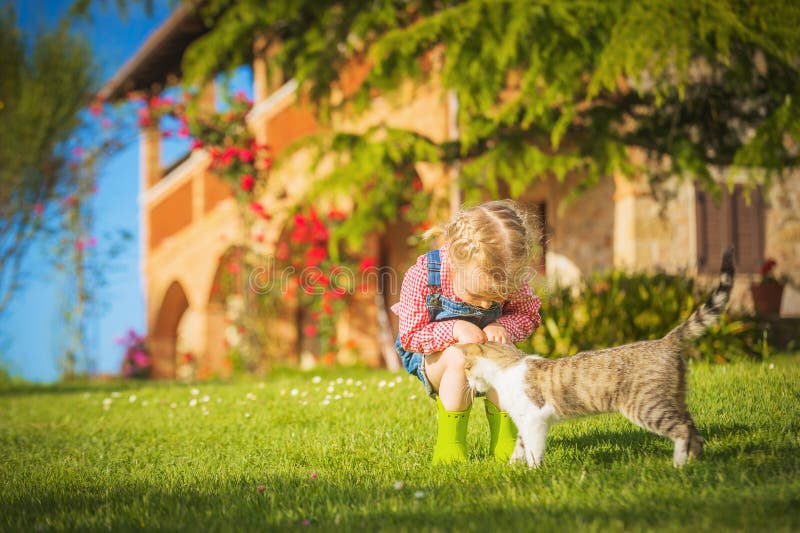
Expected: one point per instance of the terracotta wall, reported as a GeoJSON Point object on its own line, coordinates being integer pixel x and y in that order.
{"type": "Point", "coordinates": [170, 215]}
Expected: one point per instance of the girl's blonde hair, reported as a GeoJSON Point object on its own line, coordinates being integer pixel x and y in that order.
{"type": "Point", "coordinates": [498, 237]}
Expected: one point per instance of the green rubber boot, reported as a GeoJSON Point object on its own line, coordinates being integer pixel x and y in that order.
{"type": "Point", "coordinates": [502, 433]}
{"type": "Point", "coordinates": [451, 437]}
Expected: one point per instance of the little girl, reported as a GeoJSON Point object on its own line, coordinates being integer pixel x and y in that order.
{"type": "Point", "coordinates": [475, 288]}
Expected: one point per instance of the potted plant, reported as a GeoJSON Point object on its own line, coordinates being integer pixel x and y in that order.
{"type": "Point", "coordinates": [768, 291]}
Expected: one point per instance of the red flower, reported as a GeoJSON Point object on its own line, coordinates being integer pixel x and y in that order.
{"type": "Point", "coordinates": [183, 132]}
{"type": "Point", "coordinates": [246, 155]}
{"type": "Point", "coordinates": [247, 182]}
{"type": "Point", "coordinates": [197, 143]}
{"type": "Point", "coordinates": [80, 245]}
{"type": "Point", "coordinates": [319, 232]}
{"type": "Point", "coordinates": [38, 209]}
{"type": "Point", "coordinates": [310, 330]}
{"type": "Point", "coordinates": [367, 263]}
{"type": "Point", "coordinates": [166, 134]}
{"type": "Point", "coordinates": [315, 255]}
{"type": "Point", "coordinates": [766, 268]}
{"type": "Point", "coordinates": [96, 109]}
{"type": "Point", "coordinates": [227, 156]}
{"type": "Point", "coordinates": [336, 216]}
{"type": "Point", "coordinates": [105, 123]}
{"type": "Point", "coordinates": [416, 184]}
{"type": "Point", "coordinates": [268, 163]}
{"type": "Point", "coordinates": [233, 268]}
{"type": "Point", "coordinates": [327, 308]}
{"type": "Point", "coordinates": [69, 200]}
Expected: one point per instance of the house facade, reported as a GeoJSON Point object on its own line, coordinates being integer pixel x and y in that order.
{"type": "Point", "coordinates": [189, 223]}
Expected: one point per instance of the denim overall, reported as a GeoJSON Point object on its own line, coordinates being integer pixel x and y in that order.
{"type": "Point", "coordinates": [443, 308]}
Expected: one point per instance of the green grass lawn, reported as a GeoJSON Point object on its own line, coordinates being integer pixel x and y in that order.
{"type": "Point", "coordinates": [172, 456]}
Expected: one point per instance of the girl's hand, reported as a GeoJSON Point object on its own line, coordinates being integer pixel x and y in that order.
{"type": "Point", "coordinates": [497, 333]}
{"type": "Point", "coordinates": [464, 332]}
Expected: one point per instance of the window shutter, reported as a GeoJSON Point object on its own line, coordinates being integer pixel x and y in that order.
{"type": "Point", "coordinates": [710, 231]}
{"type": "Point", "coordinates": [748, 230]}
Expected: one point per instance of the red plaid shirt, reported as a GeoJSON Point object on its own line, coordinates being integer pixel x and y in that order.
{"type": "Point", "coordinates": [417, 332]}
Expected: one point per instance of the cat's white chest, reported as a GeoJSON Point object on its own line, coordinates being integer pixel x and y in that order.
{"type": "Point", "coordinates": [510, 386]}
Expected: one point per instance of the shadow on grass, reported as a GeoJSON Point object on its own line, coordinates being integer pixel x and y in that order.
{"type": "Point", "coordinates": [605, 446]}
{"type": "Point", "coordinates": [297, 503]}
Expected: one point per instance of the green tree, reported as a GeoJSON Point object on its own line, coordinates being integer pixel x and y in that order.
{"type": "Point", "coordinates": [547, 87]}
{"type": "Point", "coordinates": [45, 83]}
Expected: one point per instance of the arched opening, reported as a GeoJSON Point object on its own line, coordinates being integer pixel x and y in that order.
{"type": "Point", "coordinates": [164, 334]}
{"type": "Point", "coordinates": [228, 283]}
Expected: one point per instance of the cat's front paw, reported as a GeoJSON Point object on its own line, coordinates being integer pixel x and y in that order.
{"type": "Point", "coordinates": [518, 455]}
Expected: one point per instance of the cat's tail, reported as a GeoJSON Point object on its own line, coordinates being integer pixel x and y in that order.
{"type": "Point", "coordinates": [708, 313]}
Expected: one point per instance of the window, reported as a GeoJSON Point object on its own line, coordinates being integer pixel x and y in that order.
{"type": "Point", "coordinates": [732, 220]}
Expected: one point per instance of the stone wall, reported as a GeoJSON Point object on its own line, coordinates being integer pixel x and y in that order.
{"type": "Point", "coordinates": [783, 238]}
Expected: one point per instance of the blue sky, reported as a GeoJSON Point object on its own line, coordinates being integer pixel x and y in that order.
{"type": "Point", "coordinates": [31, 339]}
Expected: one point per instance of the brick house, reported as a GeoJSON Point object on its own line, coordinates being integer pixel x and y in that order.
{"type": "Point", "coordinates": [188, 218]}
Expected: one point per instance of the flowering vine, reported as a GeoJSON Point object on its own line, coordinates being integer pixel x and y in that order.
{"type": "Point", "coordinates": [319, 281]}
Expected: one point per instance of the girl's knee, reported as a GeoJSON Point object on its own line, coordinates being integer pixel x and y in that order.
{"type": "Point", "coordinates": [454, 357]}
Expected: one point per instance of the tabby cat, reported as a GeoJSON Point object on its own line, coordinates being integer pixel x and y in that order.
{"type": "Point", "coordinates": [645, 381]}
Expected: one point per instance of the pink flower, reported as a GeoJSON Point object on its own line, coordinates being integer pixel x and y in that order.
{"type": "Point", "coordinates": [141, 359]}
{"type": "Point", "coordinates": [313, 474]}
{"type": "Point", "coordinates": [38, 209]}
{"type": "Point", "coordinates": [260, 488]}
{"type": "Point", "coordinates": [166, 134]}
{"type": "Point", "coordinates": [77, 151]}
{"type": "Point", "coordinates": [247, 182]}
{"type": "Point", "coordinates": [246, 155]}
{"type": "Point", "coordinates": [197, 144]}
{"type": "Point", "coordinates": [183, 132]}
{"type": "Point", "coordinates": [144, 117]}
{"type": "Point", "coordinates": [96, 109]}
{"type": "Point", "coordinates": [106, 123]}
{"type": "Point", "coordinates": [91, 242]}
{"type": "Point", "coordinates": [80, 245]}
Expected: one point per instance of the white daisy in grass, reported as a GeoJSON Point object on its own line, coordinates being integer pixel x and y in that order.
{"type": "Point", "coordinates": [115, 394]}
{"type": "Point", "coordinates": [316, 379]}
{"type": "Point", "coordinates": [419, 494]}
{"type": "Point", "coordinates": [192, 402]}
{"type": "Point", "coordinates": [398, 485]}
{"type": "Point", "coordinates": [194, 392]}
{"type": "Point", "coordinates": [381, 383]}
{"type": "Point", "coordinates": [173, 405]}
{"type": "Point", "coordinates": [250, 396]}
{"type": "Point", "coordinates": [107, 404]}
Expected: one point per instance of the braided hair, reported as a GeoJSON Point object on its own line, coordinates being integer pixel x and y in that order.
{"type": "Point", "coordinates": [498, 237]}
